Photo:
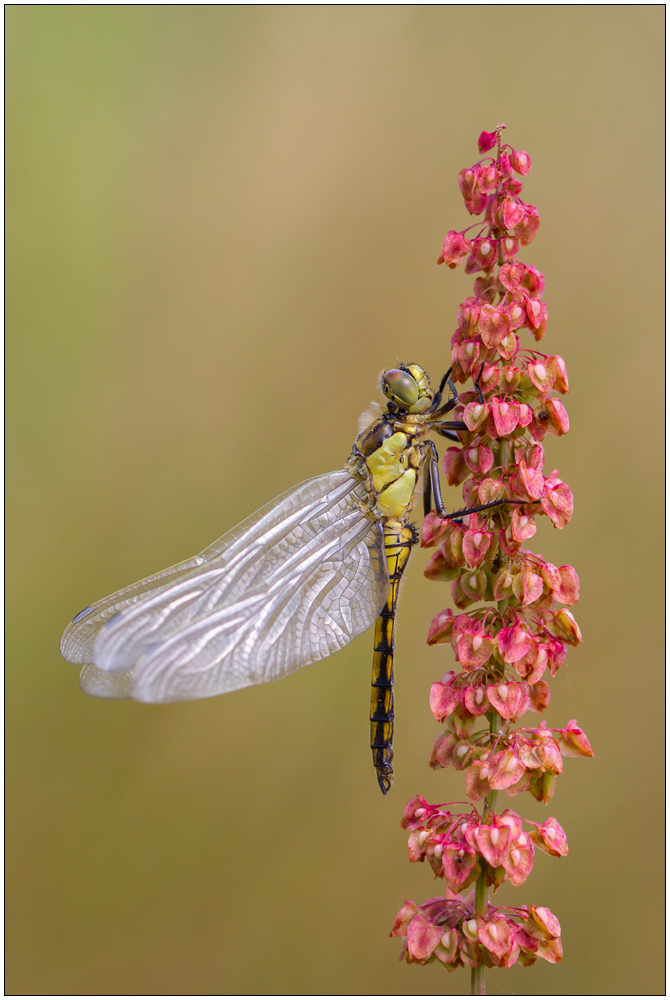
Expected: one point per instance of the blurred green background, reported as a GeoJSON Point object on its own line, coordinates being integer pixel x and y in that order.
{"type": "Point", "coordinates": [222, 222]}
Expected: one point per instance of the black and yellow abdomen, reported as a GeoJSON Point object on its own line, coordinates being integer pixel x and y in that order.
{"type": "Point", "coordinates": [398, 541]}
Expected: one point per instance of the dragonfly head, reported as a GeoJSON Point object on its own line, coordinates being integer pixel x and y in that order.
{"type": "Point", "coordinates": [408, 387]}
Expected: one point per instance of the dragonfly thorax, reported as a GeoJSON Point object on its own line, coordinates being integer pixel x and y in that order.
{"type": "Point", "coordinates": [388, 454]}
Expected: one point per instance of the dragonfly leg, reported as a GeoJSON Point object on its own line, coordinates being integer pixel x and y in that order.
{"type": "Point", "coordinates": [437, 407]}
{"type": "Point", "coordinates": [458, 514]}
{"type": "Point", "coordinates": [431, 483]}
{"type": "Point", "coordinates": [446, 429]}
{"type": "Point", "coordinates": [427, 492]}
{"type": "Point", "coordinates": [398, 541]}
{"type": "Point", "coordinates": [478, 390]}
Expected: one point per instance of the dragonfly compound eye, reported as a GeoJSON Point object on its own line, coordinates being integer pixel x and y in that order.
{"type": "Point", "coordinates": [400, 387]}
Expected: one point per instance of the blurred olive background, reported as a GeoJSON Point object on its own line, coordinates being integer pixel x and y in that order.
{"type": "Point", "coordinates": [222, 222]}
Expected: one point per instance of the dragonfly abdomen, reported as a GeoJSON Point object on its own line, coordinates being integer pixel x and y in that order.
{"type": "Point", "coordinates": [398, 541]}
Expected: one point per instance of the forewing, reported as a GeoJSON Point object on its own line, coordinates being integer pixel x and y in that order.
{"type": "Point", "coordinates": [293, 584]}
{"type": "Point", "coordinates": [76, 645]}
{"type": "Point", "coordinates": [158, 593]}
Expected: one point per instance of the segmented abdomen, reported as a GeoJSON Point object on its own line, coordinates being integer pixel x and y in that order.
{"type": "Point", "coordinates": [398, 540]}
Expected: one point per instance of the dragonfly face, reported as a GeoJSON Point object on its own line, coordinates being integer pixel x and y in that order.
{"type": "Point", "coordinates": [294, 583]}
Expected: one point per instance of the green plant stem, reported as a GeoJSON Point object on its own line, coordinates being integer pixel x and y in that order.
{"type": "Point", "coordinates": [478, 979]}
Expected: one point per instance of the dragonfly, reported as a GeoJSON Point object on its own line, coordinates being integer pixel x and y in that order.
{"type": "Point", "coordinates": [294, 583]}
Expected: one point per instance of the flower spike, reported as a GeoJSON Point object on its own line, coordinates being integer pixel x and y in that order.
{"type": "Point", "coordinates": [511, 627]}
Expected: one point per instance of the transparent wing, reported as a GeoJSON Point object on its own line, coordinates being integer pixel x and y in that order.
{"type": "Point", "coordinates": [292, 584]}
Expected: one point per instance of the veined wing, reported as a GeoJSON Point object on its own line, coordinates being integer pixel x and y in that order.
{"type": "Point", "coordinates": [292, 584]}
{"type": "Point", "coordinates": [80, 635]}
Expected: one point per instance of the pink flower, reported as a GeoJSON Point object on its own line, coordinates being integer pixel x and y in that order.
{"type": "Point", "coordinates": [539, 696]}
{"type": "Point", "coordinates": [455, 248]}
{"type": "Point", "coordinates": [527, 228]}
{"type": "Point", "coordinates": [509, 700]}
{"type": "Point", "coordinates": [533, 281]}
{"type": "Point", "coordinates": [558, 417]}
{"type": "Point", "coordinates": [520, 161]}
{"type": "Point", "coordinates": [532, 480]}
{"type": "Point", "coordinates": [441, 566]}
{"type": "Point", "coordinates": [404, 919]}
{"type": "Point", "coordinates": [514, 642]}
{"type": "Point", "coordinates": [479, 459]}
{"type": "Point", "coordinates": [517, 315]}
{"type": "Point", "coordinates": [493, 842]}
{"type": "Point", "coordinates": [563, 626]}
{"type": "Point", "coordinates": [441, 754]}
{"type": "Point", "coordinates": [433, 529]}
{"type": "Point", "coordinates": [495, 936]}
{"type": "Point", "coordinates": [509, 246]}
{"type": "Point", "coordinates": [522, 527]}
{"type": "Point", "coordinates": [468, 355]}
{"type": "Point", "coordinates": [573, 742]}
{"type": "Point", "coordinates": [458, 862]}
{"type": "Point", "coordinates": [476, 780]}
{"type": "Point", "coordinates": [486, 141]}
{"type": "Point", "coordinates": [505, 770]}
{"type": "Point", "coordinates": [519, 862]}
{"type": "Point", "coordinates": [557, 503]}
{"type": "Point", "coordinates": [556, 364]}
{"type": "Point", "coordinates": [527, 587]}
{"type": "Point", "coordinates": [537, 314]}
{"type": "Point", "coordinates": [542, 924]}
{"type": "Point", "coordinates": [542, 376]}
{"type": "Point", "coordinates": [472, 587]}
{"type": "Point", "coordinates": [511, 275]}
{"type": "Point", "coordinates": [441, 627]}
{"type": "Point", "coordinates": [443, 699]}
{"type": "Point", "coordinates": [422, 938]}
{"type": "Point", "coordinates": [494, 325]}
{"type": "Point", "coordinates": [415, 814]}
{"type": "Point", "coordinates": [454, 466]}
{"type": "Point", "coordinates": [550, 838]}
{"type": "Point", "coordinates": [473, 652]}
{"type": "Point", "coordinates": [505, 416]}
{"type": "Point", "coordinates": [475, 414]}
{"type": "Point", "coordinates": [476, 701]}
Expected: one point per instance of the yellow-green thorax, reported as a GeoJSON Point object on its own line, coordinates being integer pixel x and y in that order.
{"type": "Point", "coordinates": [390, 450]}
{"type": "Point", "coordinates": [393, 468]}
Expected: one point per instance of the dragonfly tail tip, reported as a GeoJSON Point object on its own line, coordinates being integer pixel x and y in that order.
{"type": "Point", "coordinates": [385, 782]}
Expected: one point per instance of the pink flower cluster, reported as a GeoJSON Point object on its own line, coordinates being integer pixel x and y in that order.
{"type": "Point", "coordinates": [513, 761]}
{"type": "Point", "coordinates": [450, 931]}
{"type": "Point", "coordinates": [456, 845]}
{"type": "Point", "coordinates": [508, 649]}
